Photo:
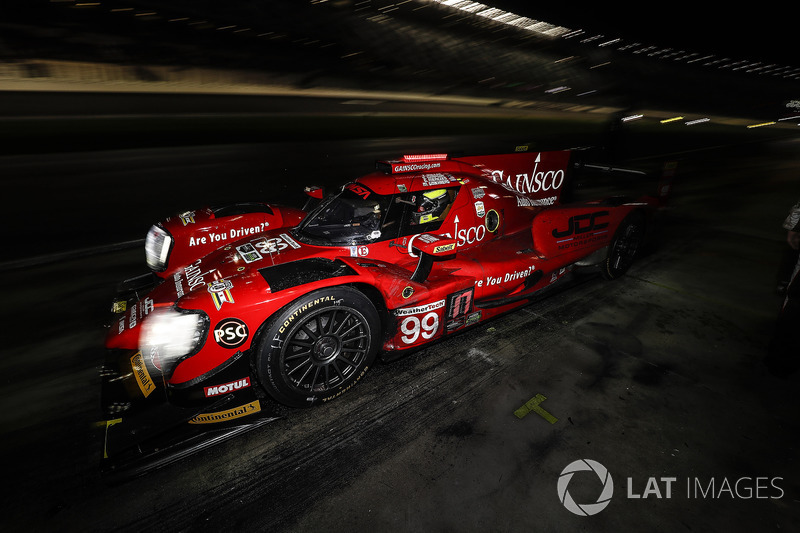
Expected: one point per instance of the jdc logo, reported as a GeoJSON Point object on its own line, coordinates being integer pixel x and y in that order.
{"type": "Point", "coordinates": [582, 224]}
{"type": "Point", "coordinates": [585, 509]}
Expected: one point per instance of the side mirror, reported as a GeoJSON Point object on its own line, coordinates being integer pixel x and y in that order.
{"type": "Point", "coordinates": [431, 248]}
{"type": "Point", "coordinates": [315, 194]}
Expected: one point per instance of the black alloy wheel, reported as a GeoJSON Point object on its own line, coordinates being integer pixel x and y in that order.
{"type": "Point", "coordinates": [624, 246]}
{"type": "Point", "coordinates": [318, 347]}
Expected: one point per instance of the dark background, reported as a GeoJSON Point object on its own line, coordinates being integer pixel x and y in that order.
{"type": "Point", "coordinates": [115, 114]}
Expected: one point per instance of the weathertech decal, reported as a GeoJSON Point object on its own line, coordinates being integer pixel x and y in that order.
{"type": "Point", "coordinates": [218, 390]}
{"type": "Point", "coordinates": [230, 414]}
{"type": "Point", "coordinates": [141, 375]}
{"type": "Point", "coordinates": [419, 309]}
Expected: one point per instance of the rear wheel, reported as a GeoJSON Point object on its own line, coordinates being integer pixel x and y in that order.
{"type": "Point", "coordinates": [624, 246]}
{"type": "Point", "coordinates": [318, 347]}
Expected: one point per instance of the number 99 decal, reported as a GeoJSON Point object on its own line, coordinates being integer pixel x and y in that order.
{"type": "Point", "coordinates": [412, 327]}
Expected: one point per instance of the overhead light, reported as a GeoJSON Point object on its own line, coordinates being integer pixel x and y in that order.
{"type": "Point", "coordinates": [505, 17]}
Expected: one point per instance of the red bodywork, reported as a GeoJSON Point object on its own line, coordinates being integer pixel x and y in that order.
{"type": "Point", "coordinates": [505, 236]}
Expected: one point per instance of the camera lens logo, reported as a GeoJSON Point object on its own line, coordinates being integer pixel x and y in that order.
{"type": "Point", "coordinates": [586, 509]}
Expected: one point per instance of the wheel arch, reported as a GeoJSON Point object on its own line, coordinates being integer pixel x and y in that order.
{"type": "Point", "coordinates": [372, 293]}
{"type": "Point", "coordinates": [378, 300]}
{"type": "Point", "coordinates": [636, 216]}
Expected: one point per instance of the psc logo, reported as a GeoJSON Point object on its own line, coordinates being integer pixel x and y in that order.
{"type": "Point", "coordinates": [231, 333]}
{"type": "Point", "coordinates": [586, 509]}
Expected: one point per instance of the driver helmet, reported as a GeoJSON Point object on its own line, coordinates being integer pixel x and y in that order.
{"type": "Point", "coordinates": [431, 206]}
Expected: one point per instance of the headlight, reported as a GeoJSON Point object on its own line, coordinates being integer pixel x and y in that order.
{"type": "Point", "coordinates": [170, 334]}
{"type": "Point", "coordinates": [157, 246]}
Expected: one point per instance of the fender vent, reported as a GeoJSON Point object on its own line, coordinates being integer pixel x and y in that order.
{"type": "Point", "coordinates": [296, 273]}
{"type": "Point", "coordinates": [533, 279]}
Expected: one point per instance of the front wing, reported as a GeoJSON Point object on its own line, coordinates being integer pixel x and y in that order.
{"type": "Point", "coordinates": [143, 431]}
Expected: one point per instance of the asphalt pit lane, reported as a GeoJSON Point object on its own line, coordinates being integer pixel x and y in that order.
{"type": "Point", "coordinates": [608, 339]}
{"type": "Point", "coordinates": [461, 430]}
{"type": "Point", "coordinates": [648, 374]}
{"type": "Point", "coordinates": [609, 346]}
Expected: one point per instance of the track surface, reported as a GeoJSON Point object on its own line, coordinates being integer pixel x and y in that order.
{"type": "Point", "coordinates": [657, 374]}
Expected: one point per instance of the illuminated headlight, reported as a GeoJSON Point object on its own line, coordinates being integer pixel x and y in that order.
{"type": "Point", "coordinates": [170, 334]}
{"type": "Point", "coordinates": [157, 246]}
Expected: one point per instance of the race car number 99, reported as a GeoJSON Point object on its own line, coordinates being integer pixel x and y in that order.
{"type": "Point", "coordinates": [412, 327]}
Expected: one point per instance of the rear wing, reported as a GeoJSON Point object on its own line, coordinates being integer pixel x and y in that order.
{"type": "Point", "coordinates": [539, 176]}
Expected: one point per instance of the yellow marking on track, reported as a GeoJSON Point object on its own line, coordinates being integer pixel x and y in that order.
{"type": "Point", "coordinates": [533, 405]}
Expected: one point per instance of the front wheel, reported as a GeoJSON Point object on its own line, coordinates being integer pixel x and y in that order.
{"type": "Point", "coordinates": [624, 246]}
{"type": "Point", "coordinates": [319, 346]}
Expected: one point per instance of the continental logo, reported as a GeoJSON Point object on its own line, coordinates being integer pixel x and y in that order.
{"type": "Point", "coordinates": [302, 309]}
{"type": "Point", "coordinates": [230, 414]}
{"type": "Point", "coordinates": [141, 375]}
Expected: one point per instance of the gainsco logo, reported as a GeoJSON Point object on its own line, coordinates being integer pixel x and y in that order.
{"type": "Point", "coordinates": [227, 388]}
{"type": "Point", "coordinates": [231, 333]}
{"type": "Point", "coordinates": [536, 181]}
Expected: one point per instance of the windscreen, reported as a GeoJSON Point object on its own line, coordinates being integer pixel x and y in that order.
{"type": "Point", "coordinates": [353, 216]}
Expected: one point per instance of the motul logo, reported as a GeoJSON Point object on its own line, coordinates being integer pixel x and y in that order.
{"type": "Point", "coordinates": [217, 390]}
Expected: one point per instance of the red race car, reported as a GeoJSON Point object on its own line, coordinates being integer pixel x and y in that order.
{"type": "Point", "coordinates": [254, 303]}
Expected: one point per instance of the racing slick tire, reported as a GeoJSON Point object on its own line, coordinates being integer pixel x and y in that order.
{"type": "Point", "coordinates": [624, 246]}
{"type": "Point", "coordinates": [318, 347]}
